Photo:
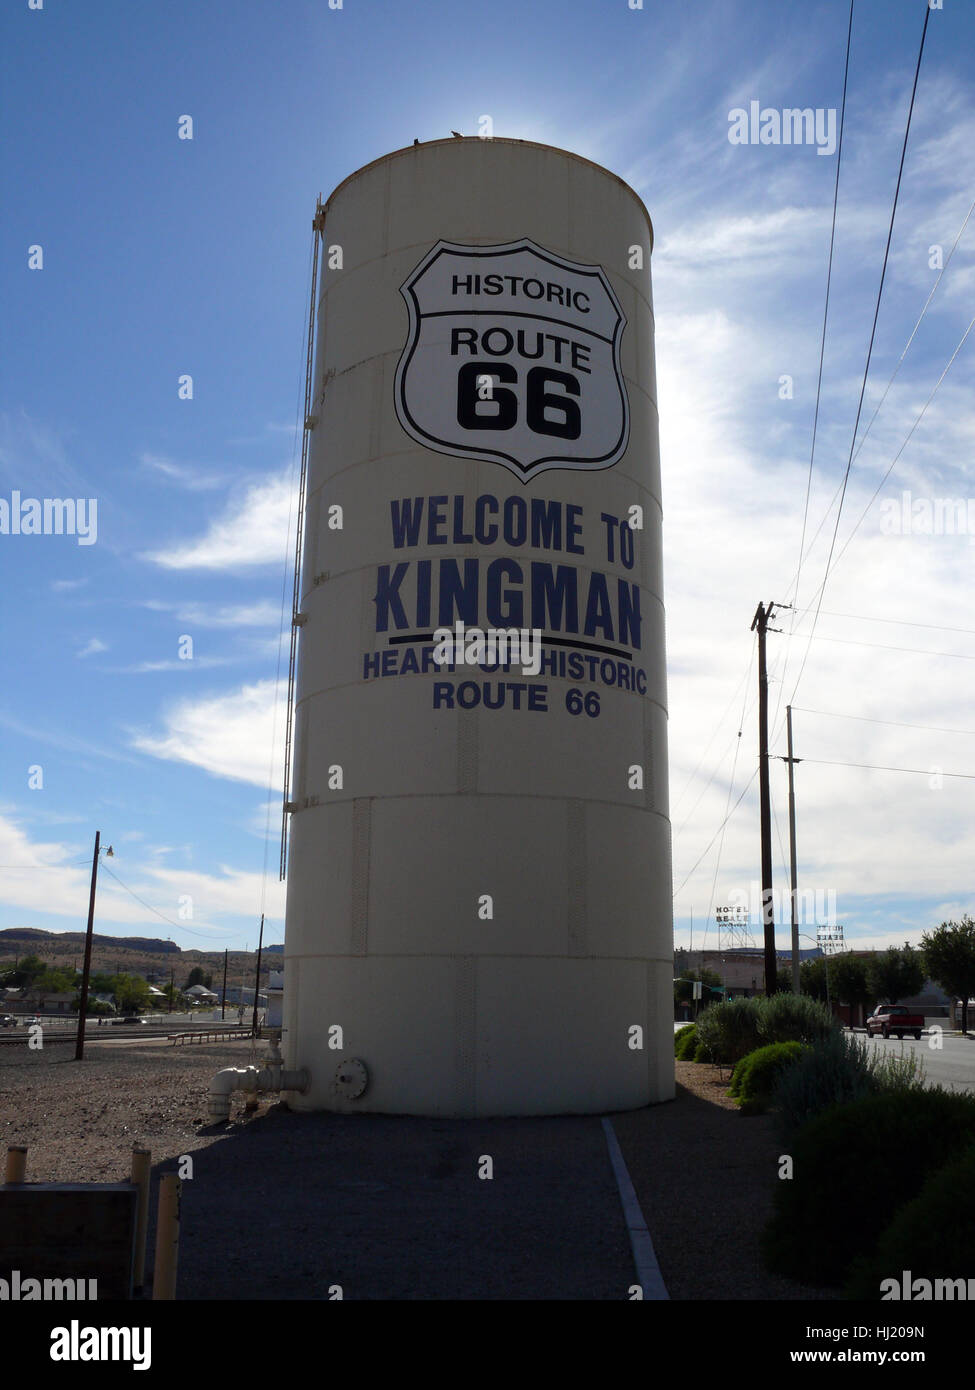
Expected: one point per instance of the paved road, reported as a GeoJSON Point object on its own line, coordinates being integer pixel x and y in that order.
{"type": "Point", "coordinates": [951, 1066]}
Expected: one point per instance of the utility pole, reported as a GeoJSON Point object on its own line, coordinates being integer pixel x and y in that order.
{"type": "Point", "coordinates": [760, 622]}
{"type": "Point", "coordinates": [223, 1001]}
{"type": "Point", "coordinates": [172, 987]}
{"type": "Point", "coordinates": [792, 854]}
{"type": "Point", "coordinates": [257, 980]}
{"type": "Point", "coordinates": [79, 1048]}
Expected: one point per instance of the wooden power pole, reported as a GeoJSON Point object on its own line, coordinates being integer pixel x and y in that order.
{"type": "Point", "coordinates": [79, 1047]}
{"type": "Point", "coordinates": [760, 623]}
{"type": "Point", "coordinates": [793, 872]}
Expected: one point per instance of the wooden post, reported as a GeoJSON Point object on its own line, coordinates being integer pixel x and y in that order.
{"type": "Point", "coordinates": [167, 1238]}
{"type": "Point", "coordinates": [16, 1170]}
{"type": "Point", "coordinates": [141, 1161]}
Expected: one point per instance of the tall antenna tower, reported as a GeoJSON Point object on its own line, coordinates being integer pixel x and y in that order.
{"type": "Point", "coordinates": [733, 929]}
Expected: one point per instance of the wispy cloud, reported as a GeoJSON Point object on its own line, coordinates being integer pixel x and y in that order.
{"type": "Point", "coordinates": [228, 735]}
{"type": "Point", "coordinates": [260, 614]}
{"type": "Point", "coordinates": [188, 476]}
{"type": "Point", "coordinates": [92, 647]}
{"type": "Point", "coordinates": [253, 530]}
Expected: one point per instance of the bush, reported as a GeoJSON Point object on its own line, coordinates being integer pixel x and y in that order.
{"type": "Point", "coordinates": [685, 1041]}
{"type": "Point", "coordinates": [729, 1031]}
{"type": "Point", "coordinates": [753, 1078]}
{"type": "Point", "coordinates": [836, 1071]}
{"type": "Point", "coordinates": [738, 1026]}
{"type": "Point", "coordinates": [701, 1054]}
{"type": "Point", "coordinates": [853, 1167]}
{"type": "Point", "coordinates": [795, 1018]}
{"type": "Point", "coordinates": [931, 1236]}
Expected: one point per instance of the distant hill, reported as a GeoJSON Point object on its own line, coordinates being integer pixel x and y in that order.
{"type": "Point", "coordinates": [152, 945]}
{"type": "Point", "coordinates": [152, 957]}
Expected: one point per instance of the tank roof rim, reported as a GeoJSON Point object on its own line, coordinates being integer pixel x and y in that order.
{"type": "Point", "coordinates": [495, 140]}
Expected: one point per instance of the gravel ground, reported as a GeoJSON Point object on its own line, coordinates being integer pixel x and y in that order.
{"type": "Point", "coordinates": [283, 1205]}
{"type": "Point", "coordinates": [705, 1175]}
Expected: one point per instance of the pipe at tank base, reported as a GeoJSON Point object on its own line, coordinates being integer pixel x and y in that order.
{"type": "Point", "coordinates": [272, 1076]}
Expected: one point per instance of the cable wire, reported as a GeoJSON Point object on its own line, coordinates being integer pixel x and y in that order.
{"type": "Point", "coordinates": [873, 332]}
{"type": "Point", "coordinates": [822, 349]}
{"type": "Point", "coordinates": [894, 723]}
{"type": "Point", "coordinates": [180, 926]}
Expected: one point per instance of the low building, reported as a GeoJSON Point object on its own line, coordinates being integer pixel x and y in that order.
{"type": "Point", "coordinates": [201, 995]}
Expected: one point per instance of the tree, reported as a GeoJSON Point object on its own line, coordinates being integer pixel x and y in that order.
{"type": "Point", "coordinates": [29, 970]}
{"type": "Point", "coordinates": [783, 980]}
{"type": "Point", "coordinates": [895, 974]}
{"type": "Point", "coordinates": [54, 981]}
{"type": "Point", "coordinates": [812, 977]}
{"type": "Point", "coordinates": [131, 993]}
{"type": "Point", "coordinates": [949, 953]}
{"type": "Point", "coordinates": [173, 994]}
{"type": "Point", "coordinates": [197, 976]}
{"type": "Point", "coordinates": [848, 981]}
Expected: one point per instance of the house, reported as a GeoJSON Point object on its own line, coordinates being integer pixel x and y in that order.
{"type": "Point", "coordinates": [51, 1002]}
{"type": "Point", "coordinates": [201, 995]}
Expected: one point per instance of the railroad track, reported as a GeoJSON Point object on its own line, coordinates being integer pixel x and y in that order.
{"type": "Point", "coordinates": [60, 1035]}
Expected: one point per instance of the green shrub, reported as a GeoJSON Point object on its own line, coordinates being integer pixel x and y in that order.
{"type": "Point", "coordinates": [753, 1078]}
{"type": "Point", "coordinates": [701, 1054]}
{"type": "Point", "coordinates": [931, 1236]}
{"type": "Point", "coordinates": [836, 1071]}
{"type": "Point", "coordinates": [853, 1167]}
{"type": "Point", "coordinates": [795, 1018]}
{"type": "Point", "coordinates": [729, 1031]}
{"type": "Point", "coordinates": [685, 1041]}
{"type": "Point", "coordinates": [738, 1026]}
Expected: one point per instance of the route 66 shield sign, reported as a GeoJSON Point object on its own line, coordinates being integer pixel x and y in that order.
{"type": "Point", "coordinates": [513, 356]}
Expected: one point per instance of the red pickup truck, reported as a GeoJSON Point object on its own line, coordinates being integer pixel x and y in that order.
{"type": "Point", "coordinates": [894, 1018]}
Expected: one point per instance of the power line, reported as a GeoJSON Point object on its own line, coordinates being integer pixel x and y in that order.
{"type": "Point", "coordinates": [887, 647]}
{"type": "Point", "coordinates": [180, 926]}
{"type": "Point", "coordinates": [822, 347]}
{"type": "Point", "coordinates": [731, 787]}
{"type": "Point", "coordinates": [881, 767]}
{"type": "Point", "coordinates": [893, 462]}
{"type": "Point", "coordinates": [714, 734]}
{"type": "Point", "coordinates": [873, 332]}
{"type": "Point", "coordinates": [748, 703]}
{"type": "Point", "coordinates": [719, 830]}
{"type": "Point", "coordinates": [899, 622]}
{"type": "Point", "coordinates": [894, 723]}
{"type": "Point", "coordinates": [68, 864]}
{"type": "Point", "coordinates": [900, 360]}
{"type": "Point", "coordinates": [860, 520]}
{"type": "Point", "coordinates": [805, 551]}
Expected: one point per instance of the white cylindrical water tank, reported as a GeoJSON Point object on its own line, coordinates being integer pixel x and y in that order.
{"type": "Point", "coordinates": [479, 897]}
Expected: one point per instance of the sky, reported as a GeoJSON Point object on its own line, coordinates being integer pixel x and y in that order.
{"type": "Point", "coordinates": [144, 675]}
